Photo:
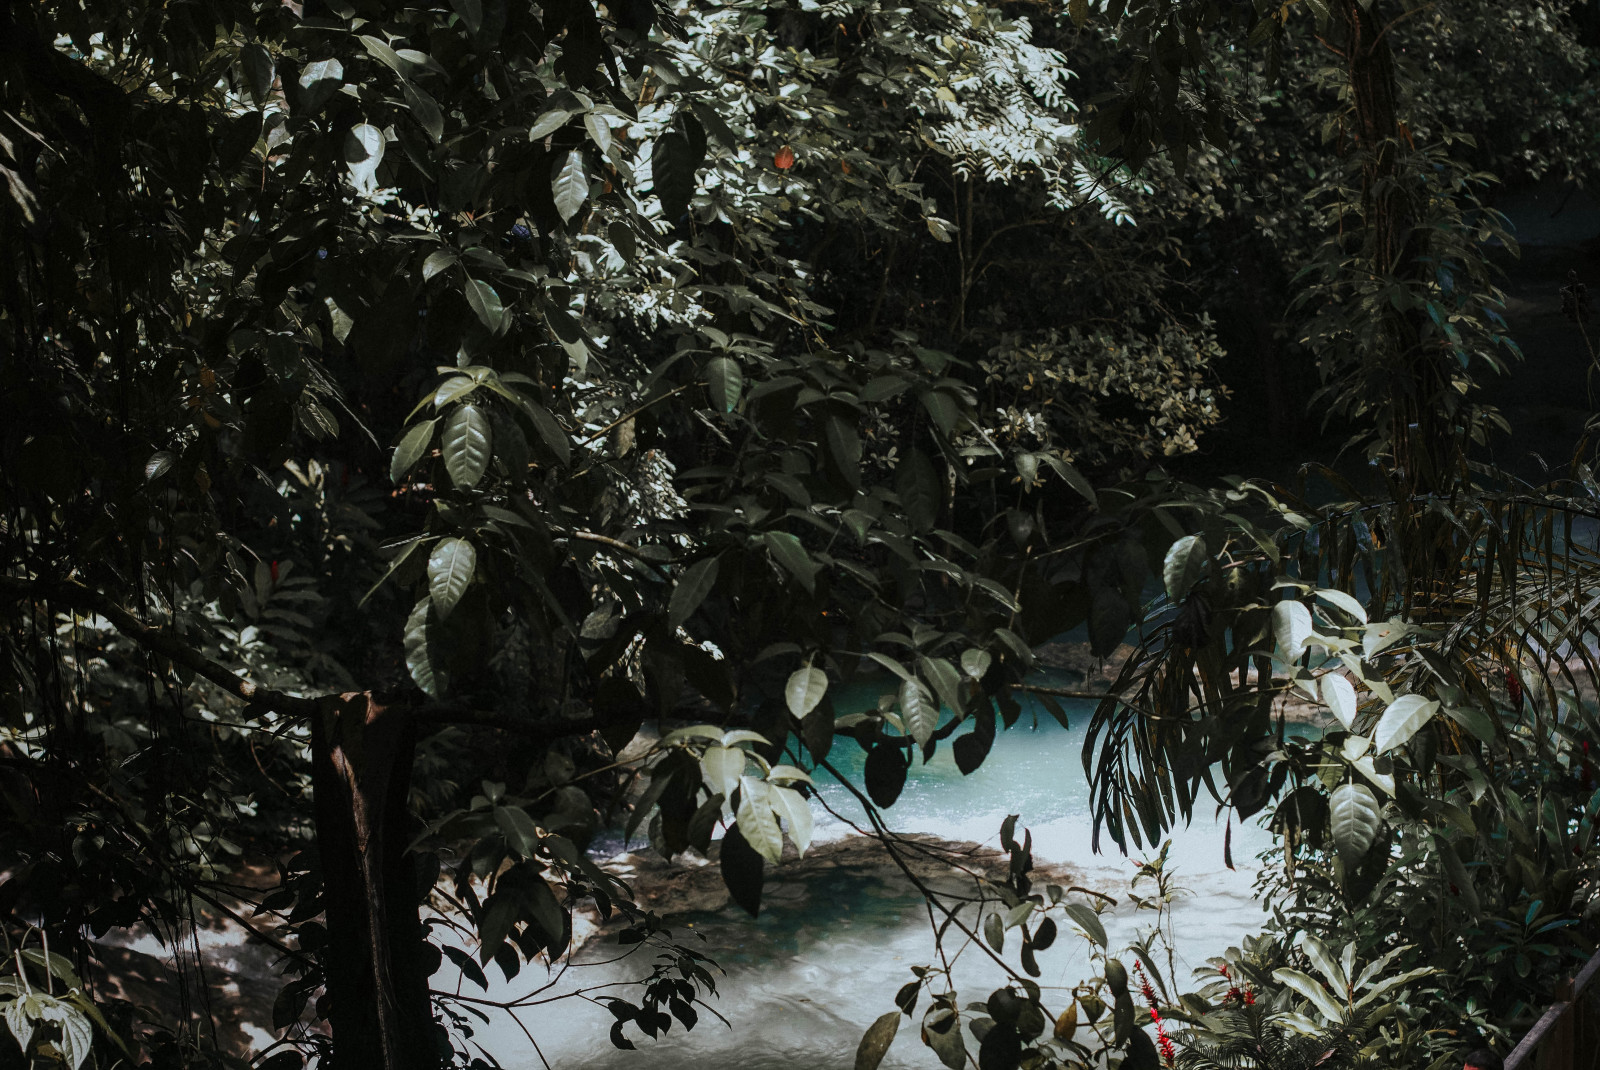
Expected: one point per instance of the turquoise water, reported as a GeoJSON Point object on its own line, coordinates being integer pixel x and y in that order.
{"type": "Point", "coordinates": [823, 961]}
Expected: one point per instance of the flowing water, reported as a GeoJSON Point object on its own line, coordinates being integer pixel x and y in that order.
{"type": "Point", "coordinates": [802, 982]}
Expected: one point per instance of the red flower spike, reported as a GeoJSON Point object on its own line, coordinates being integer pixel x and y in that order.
{"type": "Point", "coordinates": [784, 159]}
{"type": "Point", "coordinates": [273, 568]}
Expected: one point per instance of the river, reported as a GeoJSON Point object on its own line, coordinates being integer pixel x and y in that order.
{"type": "Point", "coordinates": [828, 952]}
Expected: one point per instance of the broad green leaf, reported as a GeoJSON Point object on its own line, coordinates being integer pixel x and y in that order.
{"type": "Point", "coordinates": [451, 389]}
{"type": "Point", "coordinates": [1185, 560]}
{"type": "Point", "coordinates": [486, 305]}
{"type": "Point", "coordinates": [1340, 697]}
{"type": "Point", "coordinates": [467, 445]}
{"type": "Point", "coordinates": [258, 72]}
{"type": "Point", "coordinates": [724, 381]}
{"type": "Point", "coordinates": [1345, 602]}
{"type": "Point", "coordinates": [875, 1042]}
{"type": "Point", "coordinates": [520, 830]}
{"type": "Point", "coordinates": [599, 131]}
{"type": "Point", "coordinates": [363, 152]}
{"type": "Point", "coordinates": [421, 659]}
{"type": "Point", "coordinates": [691, 590]}
{"type": "Point", "coordinates": [805, 689]}
{"type": "Point", "coordinates": [787, 551]}
{"type": "Point", "coordinates": [1401, 720]}
{"type": "Point", "coordinates": [945, 679]}
{"type": "Point", "coordinates": [1474, 720]}
{"type": "Point", "coordinates": [1325, 963]}
{"type": "Point", "coordinates": [919, 710]}
{"type": "Point", "coordinates": [1308, 987]}
{"type": "Point", "coordinates": [1084, 917]}
{"type": "Point", "coordinates": [438, 260]}
{"type": "Point", "coordinates": [548, 123]}
{"type": "Point", "coordinates": [1354, 818]}
{"type": "Point", "coordinates": [410, 451]}
{"type": "Point", "coordinates": [672, 168]}
{"type": "Point", "coordinates": [796, 813]}
{"type": "Point", "coordinates": [721, 768]}
{"type": "Point", "coordinates": [918, 487]}
{"type": "Point", "coordinates": [1381, 636]}
{"type": "Point", "coordinates": [450, 569]}
{"type": "Point", "coordinates": [941, 1031]}
{"type": "Point", "coordinates": [1388, 984]}
{"type": "Point", "coordinates": [570, 186]}
{"type": "Point", "coordinates": [550, 432]}
{"type": "Point", "coordinates": [975, 662]}
{"type": "Point", "coordinates": [757, 821]}
{"type": "Point", "coordinates": [425, 110]}
{"type": "Point", "coordinates": [1291, 627]}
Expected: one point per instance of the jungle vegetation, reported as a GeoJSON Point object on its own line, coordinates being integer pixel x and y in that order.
{"type": "Point", "coordinates": [401, 406]}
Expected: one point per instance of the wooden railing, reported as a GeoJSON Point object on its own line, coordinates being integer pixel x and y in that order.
{"type": "Point", "coordinates": [1567, 1035]}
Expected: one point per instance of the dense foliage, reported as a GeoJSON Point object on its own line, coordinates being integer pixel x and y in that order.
{"type": "Point", "coordinates": [402, 406]}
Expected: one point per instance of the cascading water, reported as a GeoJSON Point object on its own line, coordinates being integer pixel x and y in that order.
{"type": "Point", "coordinates": [825, 958]}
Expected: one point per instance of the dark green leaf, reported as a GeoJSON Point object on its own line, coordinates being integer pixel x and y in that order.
{"type": "Point", "coordinates": [673, 165]}
{"type": "Point", "coordinates": [742, 869]}
{"type": "Point", "coordinates": [1354, 818]}
{"type": "Point", "coordinates": [257, 71]}
{"type": "Point", "coordinates": [410, 451]}
{"type": "Point", "coordinates": [691, 589]}
{"type": "Point", "coordinates": [422, 660]}
{"type": "Point", "coordinates": [467, 445]}
{"type": "Point", "coordinates": [485, 302]}
{"type": "Point", "coordinates": [450, 569]}
{"type": "Point", "coordinates": [724, 381]}
{"type": "Point", "coordinates": [918, 487]}
{"type": "Point", "coordinates": [875, 1042]}
{"type": "Point", "coordinates": [570, 185]}
{"type": "Point", "coordinates": [885, 773]}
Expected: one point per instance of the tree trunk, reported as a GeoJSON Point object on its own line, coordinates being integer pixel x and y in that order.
{"type": "Point", "coordinates": [377, 987]}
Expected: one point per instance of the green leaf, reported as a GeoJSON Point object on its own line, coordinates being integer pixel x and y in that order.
{"type": "Point", "coordinates": [485, 303]}
{"type": "Point", "coordinates": [1401, 720]}
{"type": "Point", "coordinates": [450, 569]}
{"type": "Point", "coordinates": [875, 1042]}
{"type": "Point", "coordinates": [941, 1031]}
{"type": "Point", "coordinates": [467, 445]}
{"type": "Point", "coordinates": [363, 152]}
{"type": "Point", "coordinates": [1354, 819]}
{"type": "Point", "coordinates": [570, 185]}
{"type": "Point", "coordinates": [1084, 917]}
{"type": "Point", "coordinates": [438, 260]}
{"type": "Point", "coordinates": [1474, 720]}
{"type": "Point", "coordinates": [742, 869]}
{"type": "Point", "coordinates": [920, 713]}
{"type": "Point", "coordinates": [1343, 601]}
{"type": "Point", "coordinates": [796, 813]}
{"type": "Point", "coordinates": [425, 110]}
{"type": "Point", "coordinates": [757, 821]}
{"type": "Point", "coordinates": [918, 487]}
{"type": "Point", "coordinates": [672, 168]}
{"type": "Point", "coordinates": [724, 382]}
{"type": "Point", "coordinates": [721, 768]}
{"type": "Point", "coordinates": [410, 451]}
{"type": "Point", "coordinates": [1340, 697]}
{"type": "Point", "coordinates": [421, 659]}
{"type": "Point", "coordinates": [945, 679]}
{"type": "Point", "coordinates": [520, 830]}
{"type": "Point", "coordinates": [550, 431]}
{"type": "Point", "coordinates": [548, 123]}
{"type": "Point", "coordinates": [691, 590]}
{"type": "Point", "coordinates": [257, 65]}
{"type": "Point", "coordinates": [1185, 560]}
{"type": "Point", "coordinates": [1308, 987]}
{"type": "Point", "coordinates": [599, 131]}
{"type": "Point", "coordinates": [805, 689]}
{"type": "Point", "coordinates": [1291, 627]}
{"type": "Point", "coordinates": [975, 662]}
{"type": "Point", "coordinates": [787, 551]}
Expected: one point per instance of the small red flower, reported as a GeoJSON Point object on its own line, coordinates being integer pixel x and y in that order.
{"type": "Point", "coordinates": [273, 568]}
{"type": "Point", "coordinates": [1249, 997]}
{"type": "Point", "coordinates": [1514, 688]}
{"type": "Point", "coordinates": [784, 159]}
